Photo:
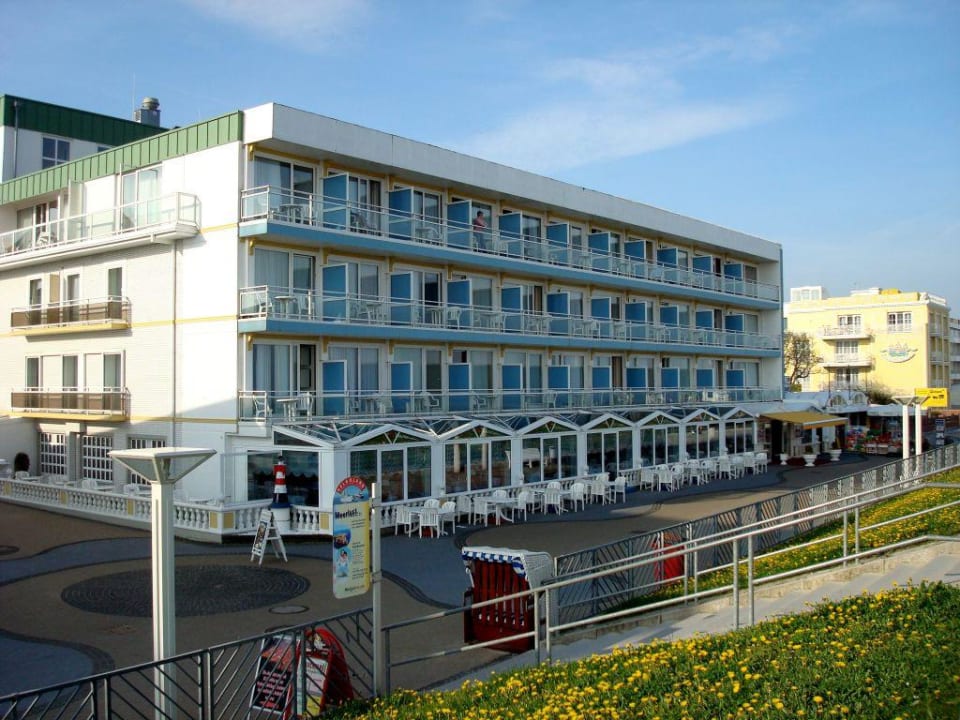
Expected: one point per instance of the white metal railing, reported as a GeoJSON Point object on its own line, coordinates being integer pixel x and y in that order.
{"type": "Point", "coordinates": [290, 406]}
{"type": "Point", "coordinates": [201, 517]}
{"type": "Point", "coordinates": [161, 214]}
{"type": "Point", "coordinates": [844, 331]}
{"type": "Point", "coordinates": [329, 213]}
{"type": "Point", "coordinates": [311, 306]}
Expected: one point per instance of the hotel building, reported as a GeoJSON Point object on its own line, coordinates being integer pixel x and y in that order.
{"type": "Point", "coordinates": [274, 282]}
{"type": "Point", "coordinates": [899, 341]}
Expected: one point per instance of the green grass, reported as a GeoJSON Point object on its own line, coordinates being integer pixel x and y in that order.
{"type": "Point", "coordinates": [872, 657]}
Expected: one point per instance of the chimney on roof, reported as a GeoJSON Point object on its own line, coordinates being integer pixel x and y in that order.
{"type": "Point", "coordinates": [149, 112]}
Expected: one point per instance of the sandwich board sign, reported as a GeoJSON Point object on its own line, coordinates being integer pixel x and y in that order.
{"type": "Point", "coordinates": [267, 533]}
{"type": "Point", "coordinates": [351, 538]}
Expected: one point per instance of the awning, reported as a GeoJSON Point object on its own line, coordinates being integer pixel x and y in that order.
{"type": "Point", "coordinates": [806, 418]}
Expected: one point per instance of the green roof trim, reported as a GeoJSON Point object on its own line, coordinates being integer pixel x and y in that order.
{"type": "Point", "coordinates": [70, 123]}
{"type": "Point", "coordinates": [172, 143]}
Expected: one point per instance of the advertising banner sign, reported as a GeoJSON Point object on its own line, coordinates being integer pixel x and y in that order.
{"type": "Point", "coordinates": [351, 538]}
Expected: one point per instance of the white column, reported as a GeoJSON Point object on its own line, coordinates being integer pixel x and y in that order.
{"type": "Point", "coordinates": [918, 433]}
{"type": "Point", "coordinates": [164, 593]}
{"type": "Point", "coordinates": [905, 435]}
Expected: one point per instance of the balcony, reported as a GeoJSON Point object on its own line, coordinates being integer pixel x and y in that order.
{"type": "Point", "coordinates": [262, 406]}
{"type": "Point", "coordinates": [293, 311]}
{"type": "Point", "coordinates": [844, 332]}
{"type": "Point", "coordinates": [164, 219]}
{"type": "Point", "coordinates": [101, 405]}
{"type": "Point", "coordinates": [849, 360]}
{"type": "Point", "coordinates": [92, 315]}
{"type": "Point", "coordinates": [333, 214]}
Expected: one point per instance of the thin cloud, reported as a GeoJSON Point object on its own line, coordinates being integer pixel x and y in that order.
{"type": "Point", "coordinates": [564, 137]}
{"type": "Point", "coordinates": [306, 24]}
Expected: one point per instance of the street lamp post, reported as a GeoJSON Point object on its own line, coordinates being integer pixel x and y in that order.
{"type": "Point", "coordinates": [162, 467]}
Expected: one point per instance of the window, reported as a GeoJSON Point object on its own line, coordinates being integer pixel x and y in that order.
{"type": "Point", "coordinates": [115, 283]}
{"type": "Point", "coordinates": [55, 152]}
{"type": "Point", "coordinates": [32, 374]}
{"type": "Point", "coordinates": [143, 443]}
{"type": "Point", "coordinates": [95, 460]}
{"type": "Point", "coordinates": [53, 453]}
{"type": "Point", "coordinates": [70, 378]}
{"type": "Point", "coordinates": [35, 291]}
{"type": "Point", "coordinates": [140, 197]}
{"type": "Point", "coordinates": [426, 205]}
{"type": "Point", "coordinates": [295, 179]}
{"type": "Point", "coordinates": [426, 367]}
{"type": "Point", "coordinates": [112, 372]}
{"type": "Point", "coordinates": [848, 321]}
{"type": "Point", "coordinates": [362, 368]}
{"type": "Point", "coordinates": [899, 322]}
{"type": "Point", "coordinates": [847, 348]}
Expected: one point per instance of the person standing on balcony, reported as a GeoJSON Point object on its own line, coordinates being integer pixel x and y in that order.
{"type": "Point", "coordinates": [479, 231]}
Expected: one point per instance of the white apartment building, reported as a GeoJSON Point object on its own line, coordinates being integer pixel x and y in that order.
{"type": "Point", "coordinates": [274, 282]}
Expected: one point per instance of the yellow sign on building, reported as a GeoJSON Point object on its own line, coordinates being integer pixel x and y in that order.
{"type": "Point", "coordinates": [934, 397]}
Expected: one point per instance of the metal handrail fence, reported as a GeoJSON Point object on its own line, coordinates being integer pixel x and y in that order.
{"type": "Point", "coordinates": [217, 683]}
{"type": "Point", "coordinates": [603, 592]}
{"type": "Point", "coordinates": [544, 602]}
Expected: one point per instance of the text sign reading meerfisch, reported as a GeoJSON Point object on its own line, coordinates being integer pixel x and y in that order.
{"type": "Point", "coordinates": [351, 538]}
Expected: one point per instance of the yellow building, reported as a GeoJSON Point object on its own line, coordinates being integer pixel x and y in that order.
{"type": "Point", "coordinates": [880, 337]}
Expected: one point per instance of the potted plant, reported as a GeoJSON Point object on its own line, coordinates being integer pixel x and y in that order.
{"type": "Point", "coordinates": [835, 450]}
{"type": "Point", "coordinates": [809, 456]}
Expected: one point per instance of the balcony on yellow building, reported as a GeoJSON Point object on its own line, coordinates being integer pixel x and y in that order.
{"type": "Point", "coordinates": [844, 332]}
{"type": "Point", "coordinates": [849, 360]}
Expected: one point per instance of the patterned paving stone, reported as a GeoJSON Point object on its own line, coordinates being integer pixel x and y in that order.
{"type": "Point", "coordinates": [201, 590]}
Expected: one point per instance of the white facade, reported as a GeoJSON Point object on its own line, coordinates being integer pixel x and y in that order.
{"type": "Point", "coordinates": [255, 283]}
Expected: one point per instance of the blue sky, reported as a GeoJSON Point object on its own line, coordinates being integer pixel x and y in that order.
{"type": "Point", "coordinates": [832, 128]}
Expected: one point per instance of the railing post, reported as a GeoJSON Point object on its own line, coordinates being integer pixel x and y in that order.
{"type": "Point", "coordinates": [548, 629]}
{"type": "Point", "coordinates": [750, 559]}
{"type": "Point", "coordinates": [536, 623]}
{"type": "Point", "coordinates": [736, 584]}
{"type": "Point", "coordinates": [856, 531]}
{"type": "Point", "coordinates": [846, 550]}
{"type": "Point", "coordinates": [207, 681]}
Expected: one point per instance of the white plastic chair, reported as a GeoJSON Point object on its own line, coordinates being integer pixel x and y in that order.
{"type": "Point", "coordinates": [432, 503]}
{"type": "Point", "coordinates": [481, 511]}
{"type": "Point", "coordinates": [553, 497]}
{"type": "Point", "coordinates": [525, 501]}
{"type": "Point", "coordinates": [448, 513]}
{"type": "Point", "coordinates": [578, 494]}
{"type": "Point", "coordinates": [464, 507]}
{"type": "Point", "coordinates": [430, 518]}
{"type": "Point", "coordinates": [647, 479]}
{"type": "Point", "coordinates": [404, 517]}
{"type": "Point", "coordinates": [724, 467]}
{"type": "Point", "coordinates": [761, 461]}
{"type": "Point", "coordinates": [619, 488]}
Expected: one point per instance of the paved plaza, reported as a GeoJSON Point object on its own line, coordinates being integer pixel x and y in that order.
{"type": "Point", "coordinates": [75, 593]}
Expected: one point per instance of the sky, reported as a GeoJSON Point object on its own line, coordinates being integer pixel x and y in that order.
{"type": "Point", "coordinates": [831, 128]}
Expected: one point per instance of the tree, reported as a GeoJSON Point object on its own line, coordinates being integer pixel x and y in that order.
{"type": "Point", "coordinates": [799, 359]}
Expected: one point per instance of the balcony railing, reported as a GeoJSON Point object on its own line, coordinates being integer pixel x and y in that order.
{"type": "Point", "coordinates": [334, 214]}
{"type": "Point", "coordinates": [102, 404]}
{"type": "Point", "coordinates": [259, 405]}
{"type": "Point", "coordinates": [175, 215]}
{"type": "Point", "coordinates": [844, 332]}
{"type": "Point", "coordinates": [305, 306]}
{"type": "Point", "coordinates": [75, 315]}
{"type": "Point", "coordinates": [849, 360]}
